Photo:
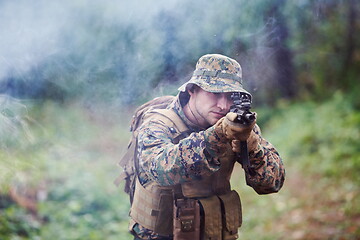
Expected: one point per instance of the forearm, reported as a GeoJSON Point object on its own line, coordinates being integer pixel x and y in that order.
{"type": "Point", "coordinates": [168, 163]}
{"type": "Point", "coordinates": [266, 173]}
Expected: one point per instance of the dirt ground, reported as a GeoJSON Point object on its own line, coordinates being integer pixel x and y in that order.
{"type": "Point", "coordinates": [324, 209]}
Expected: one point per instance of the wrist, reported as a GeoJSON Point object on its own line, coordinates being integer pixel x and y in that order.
{"type": "Point", "coordinates": [253, 143]}
{"type": "Point", "coordinates": [256, 151]}
{"type": "Point", "coordinates": [218, 131]}
{"type": "Point", "coordinates": [216, 143]}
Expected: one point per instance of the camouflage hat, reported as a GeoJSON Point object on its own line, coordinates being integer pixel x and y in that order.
{"type": "Point", "coordinates": [217, 73]}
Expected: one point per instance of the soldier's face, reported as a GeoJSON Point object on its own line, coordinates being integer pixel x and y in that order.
{"type": "Point", "coordinates": [207, 107]}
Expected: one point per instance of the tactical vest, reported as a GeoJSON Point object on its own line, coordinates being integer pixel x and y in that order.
{"type": "Point", "coordinates": [153, 205]}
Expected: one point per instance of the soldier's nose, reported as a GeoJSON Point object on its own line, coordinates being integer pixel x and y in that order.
{"type": "Point", "coordinates": [223, 102]}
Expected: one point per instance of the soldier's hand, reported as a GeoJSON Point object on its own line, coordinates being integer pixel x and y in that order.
{"type": "Point", "coordinates": [236, 131]}
{"type": "Point", "coordinates": [252, 143]}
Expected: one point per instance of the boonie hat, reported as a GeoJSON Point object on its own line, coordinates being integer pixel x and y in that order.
{"type": "Point", "coordinates": [217, 73]}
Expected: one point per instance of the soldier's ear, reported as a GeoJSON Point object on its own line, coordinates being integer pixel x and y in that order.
{"type": "Point", "coordinates": [192, 89]}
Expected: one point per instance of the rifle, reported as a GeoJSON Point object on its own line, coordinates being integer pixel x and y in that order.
{"type": "Point", "coordinates": [241, 106]}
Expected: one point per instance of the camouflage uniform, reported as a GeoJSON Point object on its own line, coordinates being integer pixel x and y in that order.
{"type": "Point", "coordinates": [200, 151]}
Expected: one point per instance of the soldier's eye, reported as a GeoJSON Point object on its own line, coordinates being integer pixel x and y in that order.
{"type": "Point", "coordinates": [216, 94]}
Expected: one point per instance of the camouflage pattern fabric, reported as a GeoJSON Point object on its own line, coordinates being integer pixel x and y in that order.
{"type": "Point", "coordinates": [146, 234]}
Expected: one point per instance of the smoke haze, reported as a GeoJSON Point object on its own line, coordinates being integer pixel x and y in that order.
{"type": "Point", "coordinates": [112, 49]}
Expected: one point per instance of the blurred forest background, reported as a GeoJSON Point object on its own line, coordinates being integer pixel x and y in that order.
{"type": "Point", "coordinates": [72, 72]}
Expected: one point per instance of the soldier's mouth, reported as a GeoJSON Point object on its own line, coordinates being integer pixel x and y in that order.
{"type": "Point", "coordinates": [218, 115]}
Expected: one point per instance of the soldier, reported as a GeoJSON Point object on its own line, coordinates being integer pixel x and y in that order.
{"type": "Point", "coordinates": [186, 154]}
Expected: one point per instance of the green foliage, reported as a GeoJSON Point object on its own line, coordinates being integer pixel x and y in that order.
{"type": "Point", "coordinates": [15, 223]}
{"type": "Point", "coordinates": [74, 172]}
{"type": "Point", "coordinates": [320, 138]}
{"type": "Point", "coordinates": [323, 41]}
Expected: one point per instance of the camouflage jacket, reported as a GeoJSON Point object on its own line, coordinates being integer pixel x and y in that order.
{"type": "Point", "coordinates": [198, 154]}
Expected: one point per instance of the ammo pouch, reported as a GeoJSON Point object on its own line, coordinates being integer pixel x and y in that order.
{"type": "Point", "coordinates": [232, 214]}
{"type": "Point", "coordinates": [186, 219]}
{"type": "Point", "coordinates": [222, 216]}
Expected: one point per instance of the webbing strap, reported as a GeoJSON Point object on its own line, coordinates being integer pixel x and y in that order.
{"type": "Point", "coordinates": [118, 180]}
{"type": "Point", "coordinates": [174, 119]}
{"type": "Point", "coordinates": [129, 152]}
{"type": "Point", "coordinates": [219, 74]}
